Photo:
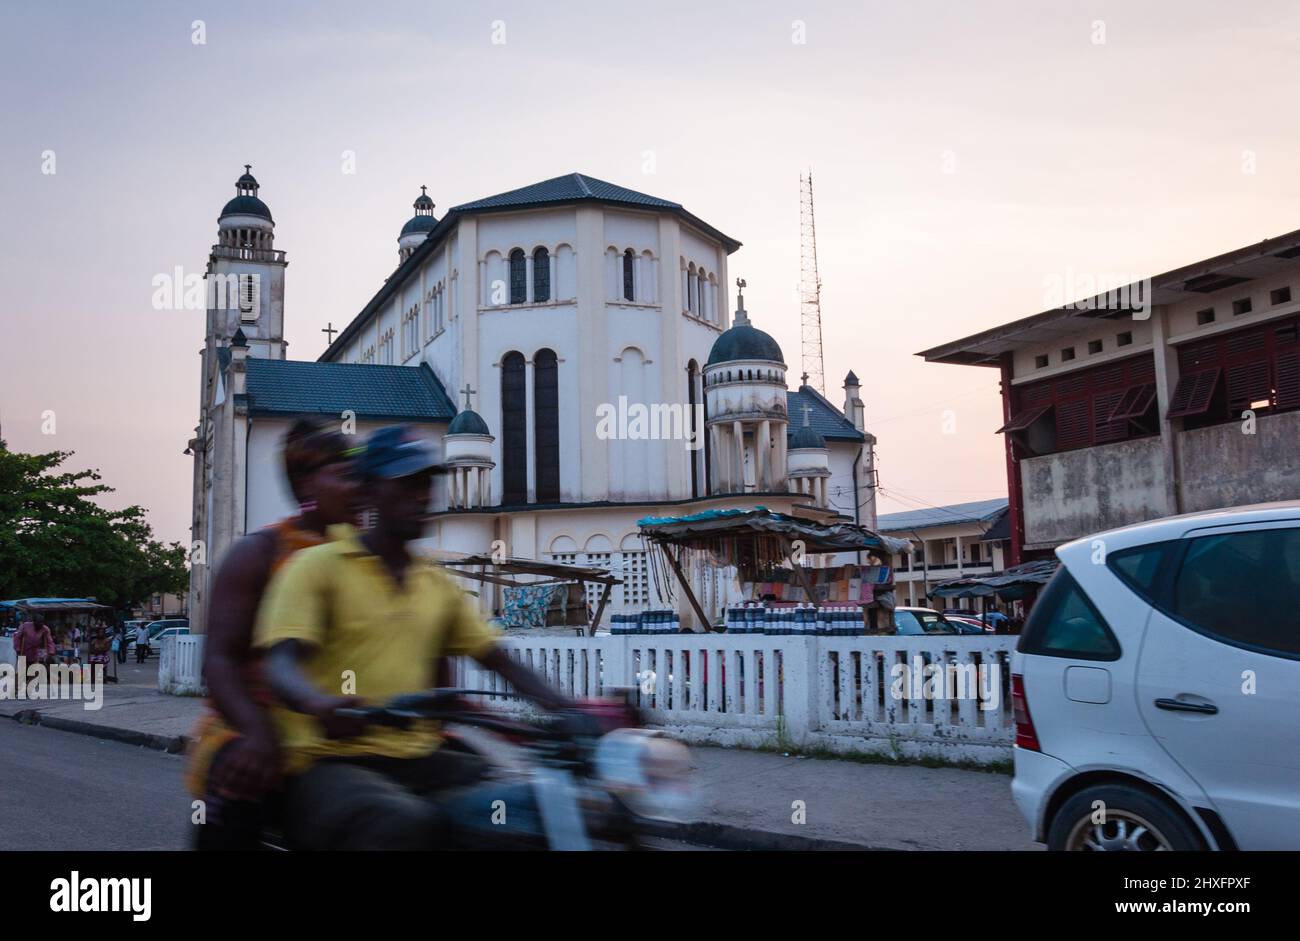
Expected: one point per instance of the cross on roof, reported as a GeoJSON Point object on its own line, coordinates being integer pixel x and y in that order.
{"type": "Point", "coordinates": [330, 330]}
{"type": "Point", "coordinates": [467, 392]}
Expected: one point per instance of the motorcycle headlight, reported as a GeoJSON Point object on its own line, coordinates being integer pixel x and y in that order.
{"type": "Point", "coordinates": [648, 770]}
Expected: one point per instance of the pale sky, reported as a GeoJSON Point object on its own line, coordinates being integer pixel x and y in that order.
{"type": "Point", "coordinates": [1125, 156]}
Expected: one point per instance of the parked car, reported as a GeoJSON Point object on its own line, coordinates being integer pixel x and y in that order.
{"type": "Point", "coordinates": [1156, 690]}
{"type": "Point", "coordinates": [170, 627]}
{"type": "Point", "coordinates": [967, 625]}
{"type": "Point", "coordinates": [910, 622]}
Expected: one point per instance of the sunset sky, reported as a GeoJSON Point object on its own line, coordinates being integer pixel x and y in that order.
{"type": "Point", "coordinates": [1127, 156]}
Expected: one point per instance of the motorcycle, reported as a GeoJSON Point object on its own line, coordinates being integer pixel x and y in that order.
{"type": "Point", "coordinates": [587, 779]}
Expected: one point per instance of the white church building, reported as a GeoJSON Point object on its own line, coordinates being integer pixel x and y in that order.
{"type": "Point", "coordinates": [566, 345]}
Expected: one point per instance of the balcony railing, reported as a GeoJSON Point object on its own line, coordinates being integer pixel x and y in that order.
{"type": "Point", "coordinates": [247, 254]}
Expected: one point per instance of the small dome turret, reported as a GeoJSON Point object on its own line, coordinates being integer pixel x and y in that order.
{"type": "Point", "coordinates": [246, 201]}
{"type": "Point", "coordinates": [468, 422]}
{"type": "Point", "coordinates": [418, 227]}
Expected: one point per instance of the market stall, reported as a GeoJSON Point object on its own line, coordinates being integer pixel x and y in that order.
{"type": "Point", "coordinates": [538, 593]}
{"type": "Point", "coordinates": [1020, 583]}
{"type": "Point", "coordinates": [769, 551]}
{"type": "Point", "coordinates": [61, 614]}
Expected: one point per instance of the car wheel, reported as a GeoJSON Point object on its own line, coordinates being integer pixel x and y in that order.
{"type": "Point", "coordinates": [1132, 821]}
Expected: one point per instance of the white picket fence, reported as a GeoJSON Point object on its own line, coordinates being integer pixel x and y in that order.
{"type": "Point", "coordinates": [180, 665]}
{"type": "Point", "coordinates": [848, 694]}
{"type": "Point", "coordinates": [840, 693]}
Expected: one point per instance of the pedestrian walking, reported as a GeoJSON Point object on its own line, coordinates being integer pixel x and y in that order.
{"type": "Point", "coordinates": [141, 642]}
{"type": "Point", "coordinates": [34, 640]}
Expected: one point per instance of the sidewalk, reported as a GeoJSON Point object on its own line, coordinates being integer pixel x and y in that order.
{"type": "Point", "coordinates": [744, 798]}
{"type": "Point", "coordinates": [871, 805]}
{"type": "Point", "coordinates": [132, 705]}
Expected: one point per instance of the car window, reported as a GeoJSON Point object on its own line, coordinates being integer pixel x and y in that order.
{"type": "Point", "coordinates": [1243, 587]}
{"type": "Point", "coordinates": [1064, 623]}
{"type": "Point", "coordinates": [1140, 566]}
{"type": "Point", "coordinates": [934, 624]}
{"type": "Point", "coordinates": [906, 623]}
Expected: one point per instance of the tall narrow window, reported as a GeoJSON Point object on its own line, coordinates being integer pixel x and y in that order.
{"type": "Point", "coordinates": [692, 373]}
{"type": "Point", "coordinates": [518, 277]}
{"type": "Point", "coordinates": [541, 276]}
{"type": "Point", "coordinates": [546, 428]}
{"type": "Point", "coordinates": [629, 279]}
{"type": "Point", "coordinates": [514, 430]}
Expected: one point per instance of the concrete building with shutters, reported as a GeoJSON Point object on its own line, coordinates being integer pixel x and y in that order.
{"type": "Point", "coordinates": [1174, 394]}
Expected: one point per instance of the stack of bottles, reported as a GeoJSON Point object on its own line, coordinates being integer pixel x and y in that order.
{"type": "Point", "coordinates": [649, 621]}
{"type": "Point", "coordinates": [802, 620]}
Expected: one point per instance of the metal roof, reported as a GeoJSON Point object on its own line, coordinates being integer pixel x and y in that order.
{"type": "Point", "coordinates": [394, 393]}
{"type": "Point", "coordinates": [978, 511]}
{"type": "Point", "coordinates": [1197, 280]}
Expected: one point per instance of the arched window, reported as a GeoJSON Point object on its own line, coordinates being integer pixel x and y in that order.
{"type": "Point", "coordinates": [690, 288]}
{"type": "Point", "coordinates": [541, 275]}
{"type": "Point", "coordinates": [692, 377]}
{"type": "Point", "coordinates": [546, 425]}
{"type": "Point", "coordinates": [629, 267]}
{"type": "Point", "coordinates": [514, 429]}
{"type": "Point", "coordinates": [518, 277]}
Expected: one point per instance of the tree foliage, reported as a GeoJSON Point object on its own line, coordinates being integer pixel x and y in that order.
{"type": "Point", "coordinates": [57, 541]}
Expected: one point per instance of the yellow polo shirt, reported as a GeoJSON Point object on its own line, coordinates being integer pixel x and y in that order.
{"type": "Point", "coordinates": [369, 636]}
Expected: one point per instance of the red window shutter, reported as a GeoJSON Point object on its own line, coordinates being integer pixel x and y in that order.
{"type": "Point", "coordinates": [1193, 394]}
{"type": "Point", "coordinates": [1288, 379]}
{"type": "Point", "coordinates": [1142, 370]}
{"type": "Point", "coordinates": [1104, 427]}
{"type": "Point", "coordinates": [1072, 425]}
{"type": "Point", "coordinates": [1024, 418]}
{"type": "Point", "coordinates": [1134, 402]}
{"type": "Point", "coordinates": [1247, 382]}
{"type": "Point", "coordinates": [1071, 385]}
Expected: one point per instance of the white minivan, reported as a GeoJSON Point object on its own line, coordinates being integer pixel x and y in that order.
{"type": "Point", "coordinates": [1156, 687]}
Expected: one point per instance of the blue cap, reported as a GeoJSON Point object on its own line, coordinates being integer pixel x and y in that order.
{"type": "Point", "coordinates": [396, 451]}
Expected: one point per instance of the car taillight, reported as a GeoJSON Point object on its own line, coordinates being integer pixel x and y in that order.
{"type": "Point", "coordinates": [1026, 737]}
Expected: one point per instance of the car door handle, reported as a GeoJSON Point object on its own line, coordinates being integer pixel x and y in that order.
{"type": "Point", "coordinates": [1177, 705]}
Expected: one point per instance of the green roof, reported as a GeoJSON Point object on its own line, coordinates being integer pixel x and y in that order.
{"type": "Point", "coordinates": [572, 187]}
{"type": "Point", "coordinates": [823, 417]}
{"type": "Point", "coordinates": [390, 393]}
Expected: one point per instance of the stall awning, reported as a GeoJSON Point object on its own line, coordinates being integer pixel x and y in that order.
{"type": "Point", "coordinates": [52, 605]}
{"type": "Point", "coordinates": [1008, 585]}
{"type": "Point", "coordinates": [703, 530]}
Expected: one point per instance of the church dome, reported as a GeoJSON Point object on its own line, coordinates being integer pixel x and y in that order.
{"type": "Point", "coordinates": [805, 437]}
{"type": "Point", "coordinates": [418, 224]}
{"type": "Point", "coordinates": [246, 203]}
{"type": "Point", "coordinates": [247, 206]}
{"type": "Point", "coordinates": [744, 342]}
{"type": "Point", "coordinates": [468, 422]}
{"type": "Point", "coordinates": [423, 221]}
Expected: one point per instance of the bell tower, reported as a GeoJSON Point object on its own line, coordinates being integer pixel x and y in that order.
{"type": "Point", "coordinates": [245, 275]}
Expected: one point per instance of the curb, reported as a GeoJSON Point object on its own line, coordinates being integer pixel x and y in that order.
{"type": "Point", "coordinates": [172, 745]}
{"type": "Point", "coordinates": [727, 837]}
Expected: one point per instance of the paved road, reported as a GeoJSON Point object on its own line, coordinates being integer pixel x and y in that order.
{"type": "Point", "coordinates": [61, 791]}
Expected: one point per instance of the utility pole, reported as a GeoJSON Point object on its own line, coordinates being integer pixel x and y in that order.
{"type": "Point", "coordinates": [810, 289]}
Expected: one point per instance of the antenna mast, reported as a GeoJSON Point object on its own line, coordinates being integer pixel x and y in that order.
{"type": "Point", "coordinates": [810, 289]}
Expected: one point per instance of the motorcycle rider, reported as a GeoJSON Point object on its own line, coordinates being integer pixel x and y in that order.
{"type": "Point", "coordinates": [234, 760]}
{"type": "Point", "coordinates": [363, 619]}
